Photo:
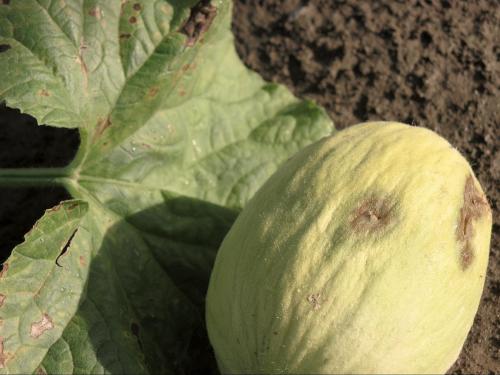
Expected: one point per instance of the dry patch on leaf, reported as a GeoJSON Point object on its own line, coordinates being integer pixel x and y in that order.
{"type": "Point", "coordinates": [102, 125]}
{"type": "Point", "coordinates": [3, 355]}
{"type": "Point", "coordinates": [3, 271]}
{"type": "Point", "coordinates": [199, 21]}
{"type": "Point", "coordinates": [38, 328]}
{"type": "Point", "coordinates": [44, 93]}
{"type": "Point", "coordinates": [95, 12]}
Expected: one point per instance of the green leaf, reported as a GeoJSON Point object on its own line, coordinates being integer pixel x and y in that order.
{"type": "Point", "coordinates": [176, 136]}
{"type": "Point", "coordinates": [41, 286]}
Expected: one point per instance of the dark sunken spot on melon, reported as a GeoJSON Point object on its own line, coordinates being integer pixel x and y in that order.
{"type": "Point", "coordinates": [475, 206]}
{"type": "Point", "coordinates": [372, 214]}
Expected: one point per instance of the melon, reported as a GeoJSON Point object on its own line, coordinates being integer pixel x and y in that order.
{"type": "Point", "coordinates": [365, 253]}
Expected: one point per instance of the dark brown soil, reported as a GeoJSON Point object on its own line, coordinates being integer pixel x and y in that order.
{"type": "Point", "coordinates": [430, 63]}
{"type": "Point", "coordinates": [23, 144]}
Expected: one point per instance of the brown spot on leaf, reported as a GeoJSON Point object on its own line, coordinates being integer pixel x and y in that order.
{"type": "Point", "coordinates": [40, 371]}
{"type": "Point", "coordinates": [314, 300]}
{"type": "Point", "coordinates": [137, 7]}
{"type": "Point", "coordinates": [188, 67]}
{"type": "Point", "coordinates": [372, 214]}
{"type": "Point", "coordinates": [55, 208]}
{"type": "Point", "coordinates": [199, 21]}
{"type": "Point", "coordinates": [132, 19]}
{"type": "Point", "coordinates": [153, 91]}
{"type": "Point", "coordinates": [82, 261]}
{"type": "Point", "coordinates": [182, 92]}
{"type": "Point", "coordinates": [125, 36]}
{"type": "Point", "coordinates": [43, 92]}
{"type": "Point", "coordinates": [38, 328]}
{"type": "Point", "coordinates": [3, 355]}
{"type": "Point", "coordinates": [102, 125]}
{"type": "Point", "coordinates": [72, 206]}
{"type": "Point", "coordinates": [66, 247]}
{"type": "Point", "coordinates": [4, 47]}
{"type": "Point", "coordinates": [3, 297]}
{"type": "Point", "coordinates": [83, 65]}
{"type": "Point", "coordinates": [4, 270]}
{"type": "Point", "coordinates": [474, 206]}
{"type": "Point", "coordinates": [95, 12]}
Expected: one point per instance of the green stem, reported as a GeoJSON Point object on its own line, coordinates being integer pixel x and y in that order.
{"type": "Point", "coordinates": [34, 177]}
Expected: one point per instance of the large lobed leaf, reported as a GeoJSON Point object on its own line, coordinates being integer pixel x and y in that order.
{"type": "Point", "coordinates": [176, 135]}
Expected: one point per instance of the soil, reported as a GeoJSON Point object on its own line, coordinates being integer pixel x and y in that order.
{"type": "Point", "coordinates": [429, 63]}
{"type": "Point", "coordinates": [23, 144]}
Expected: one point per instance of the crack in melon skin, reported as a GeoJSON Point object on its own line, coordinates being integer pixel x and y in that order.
{"type": "Point", "coordinates": [350, 259]}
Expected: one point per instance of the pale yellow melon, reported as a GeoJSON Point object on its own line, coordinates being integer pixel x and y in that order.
{"type": "Point", "coordinates": [364, 253]}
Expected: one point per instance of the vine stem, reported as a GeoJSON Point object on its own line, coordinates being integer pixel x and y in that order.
{"type": "Point", "coordinates": [34, 177]}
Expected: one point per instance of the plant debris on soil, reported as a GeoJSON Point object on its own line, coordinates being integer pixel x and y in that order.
{"type": "Point", "coordinates": [429, 63]}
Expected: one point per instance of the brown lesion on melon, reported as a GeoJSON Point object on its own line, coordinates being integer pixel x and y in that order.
{"type": "Point", "coordinates": [372, 214]}
{"type": "Point", "coordinates": [314, 300]}
{"type": "Point", "coordinates": [475, 206]}
{"type": "Point", "coordinates": [3, 355]}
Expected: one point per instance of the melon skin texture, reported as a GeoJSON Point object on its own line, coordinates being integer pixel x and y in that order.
{"type": "Point", "coordinates": [365, 253]}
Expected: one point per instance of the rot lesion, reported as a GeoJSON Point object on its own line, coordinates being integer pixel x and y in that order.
{"type": "Point", "coordinates": [474, 207]}
{"type": "Point", "coordinates": [372, 214]}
